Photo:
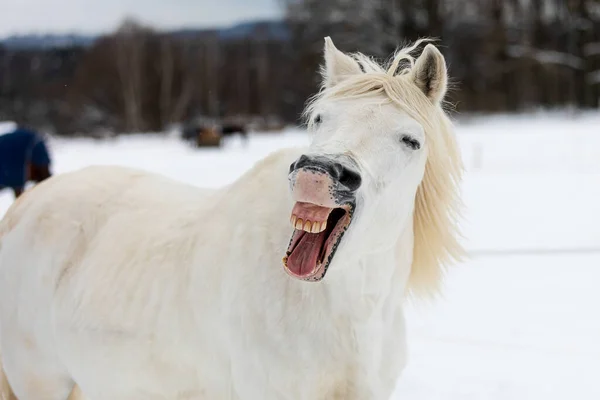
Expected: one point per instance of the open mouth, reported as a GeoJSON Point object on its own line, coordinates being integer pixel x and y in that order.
{"type": "Point", "coordinates": [318, 232]}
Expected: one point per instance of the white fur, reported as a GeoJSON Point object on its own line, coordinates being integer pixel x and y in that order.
{"type": "Point", "coordinates": [133, 286]}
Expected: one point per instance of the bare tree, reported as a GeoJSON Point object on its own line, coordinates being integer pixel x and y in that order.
{"type": "Point", "coordinates": [129, 53]}
{"type": "Point", "coordinates": [167, 70]}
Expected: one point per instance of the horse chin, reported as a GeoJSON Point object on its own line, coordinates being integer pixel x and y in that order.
{"type": "Point", "coordinates": [317, 235]}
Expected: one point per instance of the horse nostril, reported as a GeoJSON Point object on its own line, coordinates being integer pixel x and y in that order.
{"type": "Point", "coordinates": [349, 178]}
{"type": "Point", "coordinates": [337, 171]}
{"type": "Point", "coordinates": [302, 161]}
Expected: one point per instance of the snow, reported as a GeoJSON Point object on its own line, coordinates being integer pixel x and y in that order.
{"type": "Point", "coordinates": [520, 318]}
{"type": "Point", "coordinates": [546, 56]}
{"type": "Point", "coordinates": [7, 126]}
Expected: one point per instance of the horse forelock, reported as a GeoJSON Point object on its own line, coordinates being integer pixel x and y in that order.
{"type": "Point", "coordinates": [437, 204]}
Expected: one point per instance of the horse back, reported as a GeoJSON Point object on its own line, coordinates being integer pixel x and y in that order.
{"type": "Point", "coordinates": [82, 203]}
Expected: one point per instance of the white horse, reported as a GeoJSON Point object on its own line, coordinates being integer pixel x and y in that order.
{"type": "Point", "coordinates": [127, 285]}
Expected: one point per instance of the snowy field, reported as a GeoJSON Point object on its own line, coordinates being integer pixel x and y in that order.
{"type": "Point", "coordinates": [520, 320]}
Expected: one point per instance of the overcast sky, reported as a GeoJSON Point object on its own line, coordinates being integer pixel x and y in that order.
{"type": "Point", "coordinates": [98, 16]}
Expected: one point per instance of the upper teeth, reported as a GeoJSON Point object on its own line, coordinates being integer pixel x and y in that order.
{"type": "Point", "coordinates": [308, 226]}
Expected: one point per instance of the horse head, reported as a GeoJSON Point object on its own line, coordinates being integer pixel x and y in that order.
{"type": "Point", "coordinates": [379, 138]}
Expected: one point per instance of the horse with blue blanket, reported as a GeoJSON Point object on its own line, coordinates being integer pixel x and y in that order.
{"type": "Point", "coordinates": [24, 157]}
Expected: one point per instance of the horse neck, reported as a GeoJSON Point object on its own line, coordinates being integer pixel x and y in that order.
{"type": "Point", "coordinates": [377, 274]}
{"type": "Point", "coordinates": [378, 252]}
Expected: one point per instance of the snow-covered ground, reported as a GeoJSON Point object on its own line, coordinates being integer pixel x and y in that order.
{"type": "Point", "coordinates": [520, 320]}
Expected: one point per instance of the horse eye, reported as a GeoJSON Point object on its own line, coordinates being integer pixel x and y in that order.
{"type": "Point", "coordinates": [318, 119]}
{"type": "Point", "coordinates": [413, 144]}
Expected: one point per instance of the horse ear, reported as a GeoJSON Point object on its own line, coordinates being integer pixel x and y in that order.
{"type": "Point", "coordinates": [430, 73]}
{"type": "Point", "coordinates": [338, 66]}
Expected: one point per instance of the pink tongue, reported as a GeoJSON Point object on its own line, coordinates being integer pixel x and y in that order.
{"type": "Point", "coordinates": [304, 257]}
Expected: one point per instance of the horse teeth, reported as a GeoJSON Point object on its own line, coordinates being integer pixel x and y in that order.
{"type": "Point", "coordinates": [308, 226]}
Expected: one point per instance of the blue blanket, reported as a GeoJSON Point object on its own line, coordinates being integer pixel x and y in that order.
{"type": "Point", "coordinates": [17, 149]}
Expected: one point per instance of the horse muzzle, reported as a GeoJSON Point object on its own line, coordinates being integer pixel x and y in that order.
{"type": "Point", "coordinates": [326, 181]}
{"type": "Point", "coordinates": [324, 189]}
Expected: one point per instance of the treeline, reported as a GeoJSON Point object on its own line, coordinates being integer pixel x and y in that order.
{"type": "Point", "coordinates": [503, 55]}
{"type": "Point", "coordinates": [140, 80]}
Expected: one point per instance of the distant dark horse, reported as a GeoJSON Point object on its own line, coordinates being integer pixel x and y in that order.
{"type": "Point", "coordinates": [24, 157]}
{"type": "Point", "coordinates": [206, 136]}
{"type": "Point", "coordinates": [202, 136]}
